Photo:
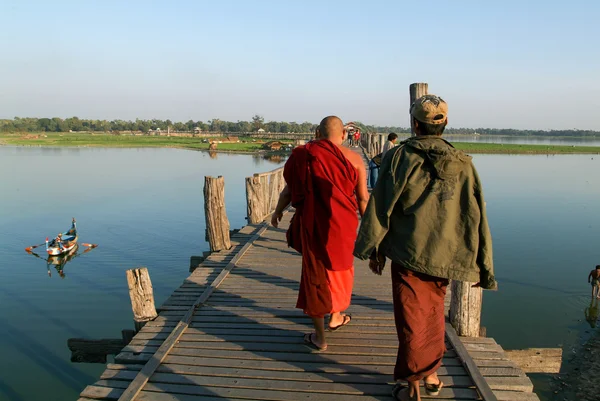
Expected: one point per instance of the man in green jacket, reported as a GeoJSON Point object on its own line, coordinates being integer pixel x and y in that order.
{"type": "Point", "coordinates": [427, 215]}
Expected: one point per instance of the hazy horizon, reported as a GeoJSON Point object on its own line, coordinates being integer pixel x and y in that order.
{"type": "Point", "coordinates": [502, 65]}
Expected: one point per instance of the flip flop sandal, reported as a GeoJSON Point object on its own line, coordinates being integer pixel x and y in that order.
{"type": "Point", "coordinates": [403, 391]}
{"type": "Point", "coordinates": [310, 343]}
{"type": "Point", "coordinates": [434, 389]}
{"type": "Point", "coordinates": [344, 323]}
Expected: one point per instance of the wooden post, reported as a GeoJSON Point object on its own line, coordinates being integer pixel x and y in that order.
{"type": "Point", "coordinates": [142, 296]}
{"type": "Point", "coordinates": [254, 199]}
{"type": "Point", "coordinates": [281, 186]}
{"type": "Point", "coordinates": [217, 223]}
{"type": "Point", "coordinates": [262, 194]}
{"type": "Point", "coordinates": [465, 308]}
{"type": "Point", "coordinates": [264, 184]}
{"type": "Point", "coordinates": [416, 91]}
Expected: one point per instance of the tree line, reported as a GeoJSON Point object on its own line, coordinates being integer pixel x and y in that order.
{"type": "Point", "coordinates": [257, 122]}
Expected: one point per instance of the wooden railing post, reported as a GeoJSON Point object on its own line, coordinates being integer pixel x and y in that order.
{"type": "Point", "coordinates": [416, 91]}
{"type": "Point", "coordinates": [253, 199]}
{"type": "Point", "coordinates": [217, 224]}
{"type": "Point", "coordinates": [262, 194]}
{"type": "Point", "coordinates": [382, 139]}
{"type": "Point", "coordinates": [465, 308]}
{"type": "Point", "coordinates": [142, 296]}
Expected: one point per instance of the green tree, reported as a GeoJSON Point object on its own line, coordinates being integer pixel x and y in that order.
{"type": "Point", "coordinates": [244, 126]}
{"type": "Point", "coordinates": [74, 124]}
{"type": "Point", "coordinates": [284, 127]}
{"type": "Point", "coordinates": [257, 122]}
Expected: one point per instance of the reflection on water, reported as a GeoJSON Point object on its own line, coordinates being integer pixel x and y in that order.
{"type": "Point", "coordinates": [274, 158]}
{"type": "Point", "coordinates": [212, 154]}
{"type": "Point", "coordinates": [60, 261]}
{"type": "Point", "coordinates": [592, 312]}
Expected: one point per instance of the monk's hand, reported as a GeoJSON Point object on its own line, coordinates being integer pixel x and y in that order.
{"type": "Point", "coordinates": [276, 218]}
{"type": "Point", "coordinates": [377, 264]}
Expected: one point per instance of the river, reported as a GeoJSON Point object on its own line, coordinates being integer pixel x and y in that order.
{"type": "Point", "coordinates": [522, 140]}
{"type": "Point", "coordinates": [144, 207]}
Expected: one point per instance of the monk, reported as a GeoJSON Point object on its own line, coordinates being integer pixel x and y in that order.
{"type": "Point", "coordinates": [326, 183]}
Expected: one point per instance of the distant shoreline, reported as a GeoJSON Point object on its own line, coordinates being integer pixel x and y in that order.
{"type": "Point", "coordinates": [248, 145]}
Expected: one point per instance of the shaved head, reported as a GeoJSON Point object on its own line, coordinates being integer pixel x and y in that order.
{"type": "Point", "coordinates": [332, 128]}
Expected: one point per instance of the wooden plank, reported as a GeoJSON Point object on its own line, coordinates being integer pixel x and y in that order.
{"type": "Point", "coordinates": [274, 395]}
{"type": "Point", "coordinates": [371, 387]}
{"type": "Point", "coordinates": [298, 374]}
{"type": "Point", "coordinates": [143, 376]}
{"type": "Point", "coordinates": [234, 338]}
{"type": "Point", "coordinates": [204, 358]}
{"type": "Point", "coordinates": [273, 333]}
{"type": "Point", "coordinates": [293, 326]}
{"type": "Point", "coordinates": [537, 360]}
{"type": "Point", "coordinates": [271, 347]}
{"type": "Point", "coordinates": [286, 356]}
{"type": "Point", "coordinates": [477, 347]}
{"type": "Point", "coordinates": [482, 386]}
{"type": "Point", "coordinates": [515, 396]}
{"type": "Point", "coordinates": [500, 372]}
{"type": "Point", "coordinates": [510, 383]}
{"type": "Point", "coordinates": [357, 321]}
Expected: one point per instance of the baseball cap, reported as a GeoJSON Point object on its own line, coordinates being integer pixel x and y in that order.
{"type": "Point", "coordinates": [430, 109]}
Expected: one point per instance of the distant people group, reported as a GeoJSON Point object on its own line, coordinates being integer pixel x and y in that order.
{"type": "Point", "coordinates": [426, 213]}
{"type": "Point", "coordinates": [353, 137]}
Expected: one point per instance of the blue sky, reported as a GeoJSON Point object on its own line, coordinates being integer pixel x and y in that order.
{"type": "Point", "coordinates": [518, 64]}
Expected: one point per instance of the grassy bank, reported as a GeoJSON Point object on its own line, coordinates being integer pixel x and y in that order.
{"type": "Point", "coordinates": [247, 144]}
{"type": "Point", "coordinates": [125, 141]}
{"type": "Point", "coordinates": [524, 149]}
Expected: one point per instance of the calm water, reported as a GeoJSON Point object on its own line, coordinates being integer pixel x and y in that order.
{"type": "Point", "coordinates": [522, 140]}
{"type": "Point", "coordinates": [144, 207]}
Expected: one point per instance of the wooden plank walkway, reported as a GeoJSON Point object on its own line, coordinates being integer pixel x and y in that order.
{"type": "Point", "coordinates": [245, 342]}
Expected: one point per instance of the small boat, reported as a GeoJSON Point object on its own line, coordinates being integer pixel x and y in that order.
{"type": "Point", "coordinates": [59, 261]}
{"type": "Point", "coordinates": [64, 242]}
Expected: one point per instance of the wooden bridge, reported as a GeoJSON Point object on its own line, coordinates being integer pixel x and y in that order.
{"type": "Point", "coordinates": [231, 331]}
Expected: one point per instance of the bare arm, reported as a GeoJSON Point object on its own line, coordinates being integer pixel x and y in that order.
{"type": "Point", "coordinates": [285, 197]}
{"type": "Point", "coordinates": [590, 276]}
{"type": "Point", "coordinates": [362, 193]}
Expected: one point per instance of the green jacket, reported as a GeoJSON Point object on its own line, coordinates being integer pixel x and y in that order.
{"type": "Point", "coordinates": [427, 213]}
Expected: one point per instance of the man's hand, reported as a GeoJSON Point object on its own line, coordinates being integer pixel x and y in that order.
{"type": "Point", "coordinates": [376, 265]}
{"type": "Point", "coordinates": [276, 218]}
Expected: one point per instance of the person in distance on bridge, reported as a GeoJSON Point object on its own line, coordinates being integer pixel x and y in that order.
{"type": "Point", "coordinates": [427, 215]}
{"type": "Point", "coordinates": [326, 183]}
{"type": "Point", "coordinates": [389, 144]}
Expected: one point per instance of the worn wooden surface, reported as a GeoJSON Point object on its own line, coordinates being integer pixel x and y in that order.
{"type": "Point", "coordinates": [217, 223]}
{"type": "Point", "coordinates": [416, 90]}
{"type": "Point", "coordinates": [262, 193]}
{"type": "Point", "coordinates": [537, 360]}
{"type": "Point", "coordinates": [141, 294]}
{"type": "Point", "coordinates": [465, 308]}
{"type": "Point", "coordinates": [243, 341]}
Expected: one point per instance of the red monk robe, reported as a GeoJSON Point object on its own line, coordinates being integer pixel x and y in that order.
{"type": "Point", "coordinates": [322, 184]}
